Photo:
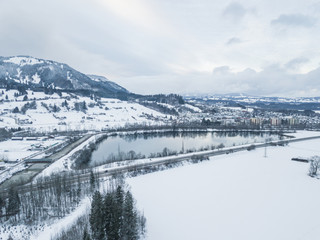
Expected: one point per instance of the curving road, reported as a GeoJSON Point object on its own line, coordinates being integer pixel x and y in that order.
{"type": "Point", "coordinates": [158, 162]}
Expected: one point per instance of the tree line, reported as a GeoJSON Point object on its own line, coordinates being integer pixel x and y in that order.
{"type": "Point", "coordinates": [113, 214]}
{"type": "Point", "coordinates": [114, 217]}
{"type": "Point", "coordinates": [50, 197]}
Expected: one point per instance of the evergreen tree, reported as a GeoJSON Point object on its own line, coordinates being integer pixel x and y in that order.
{"type": "Point", "coordinates": [78, 189]}
{"type": "Point", "coordinates": [119, 212]}
{"type": "Point", "coordinates": [113, 214]}
{"type": "Point", "coordinates": [13, 202]}
{"type": "Point", "coordinates": [65, 104]}
{"type": "Point", "coordinates": [86, 235]}
{"type": "Point", "coordinates": [115, 217]}
{"type": "Point", "coordinates": [96, 217]}
{"type": "Point", "coordinates": [130, 219]}
{"type": "Point", "coordinates": [77, 106]}
{"type": "Point", "coordinates": [2, 204]}
{"type": "Point", "coordinates": [84, 106]}
{"type": "Point", "coordinates": [92, 181]}
{"type": "Point", "coordinates": [55, 108]}
{"type": "Point", "coordinates": [142, 224]}
{"type": "Point", "coordinates": [16, 110]}
{"type": "Point", "coordinates": [108, 214]}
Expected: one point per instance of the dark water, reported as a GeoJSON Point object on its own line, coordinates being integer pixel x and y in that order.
{"type": "Point", "coordinates": [144, 145]}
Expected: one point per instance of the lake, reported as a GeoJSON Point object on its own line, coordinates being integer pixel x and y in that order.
{"type": "Point", "coordinates": [149, 145]}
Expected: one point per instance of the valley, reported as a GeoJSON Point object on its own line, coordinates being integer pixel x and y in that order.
{"type": "Point", "coordinates": [62, 138]}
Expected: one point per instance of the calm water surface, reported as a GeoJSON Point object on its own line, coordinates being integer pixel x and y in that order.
{"type": "Point", "coordinates": [151, 143]}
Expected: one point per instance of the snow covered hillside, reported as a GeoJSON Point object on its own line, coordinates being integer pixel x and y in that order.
{"type": "Point", "coordinates": [237, 196]}
{"type": "Point", "coordinates": [34, 73]}
{"type": "Point", "coordinates": [43, 112]}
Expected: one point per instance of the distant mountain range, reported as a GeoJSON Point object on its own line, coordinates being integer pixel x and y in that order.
{"type": "Point", "coordinates": [39, 74]}
{"type": "Point", "coordinates": [270, 103]}
{"type": "Point", "coordinates": [242, 97]}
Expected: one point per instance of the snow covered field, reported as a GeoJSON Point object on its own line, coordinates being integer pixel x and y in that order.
{"type": "Point", "coordinates": [54, 112]}
{"type": "Point", "coordinates": [237, 196]}
{"type": "Point", "coordinates": [12, 149]}
{"type": "Point", "coordinates": [17, 150]}
{"type": "Point", "coordinates": [65, 162]}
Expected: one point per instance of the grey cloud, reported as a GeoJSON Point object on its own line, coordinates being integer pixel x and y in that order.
{"type": "Point", "coordinates": [234, 11]}
{"type": "Point", "coordinates": [273, 80]}
{"type": "Point", "coordinates": [311, 79]}
{"type": "Point", "coordinates": [233, 41]}
{"type": "Point", "coordinates": [46, 29]}
{"type": "Point", "coordinates": [292, 20]}
{"type": "Point", "coordinates": [315, 7]}
{"type": "Point", "coordinates": [221, 70]}
{"type": "Point", "coordinates": [296, 63]}
{"type": "Point", "coordinates": [96, 40]}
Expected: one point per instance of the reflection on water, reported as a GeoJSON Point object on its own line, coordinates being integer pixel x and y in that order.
{"type": "Point", "coordinates": [141, 145]}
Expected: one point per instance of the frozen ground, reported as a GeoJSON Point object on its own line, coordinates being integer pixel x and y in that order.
{"type": "Point", "coordinates": [65, 162]}
{"type": "Point", "coordinates": [12, 149]}
{"type": "Point", "coordinates": [65, 223]}
{"type": "Point", "coordinates": [44, 231]}
{"type": "Point", "coordinates": [59, 113]}
{"type": "Point", "coordinates": [301, 134]}
{"type": "Point", "coordinates": [236, 196]}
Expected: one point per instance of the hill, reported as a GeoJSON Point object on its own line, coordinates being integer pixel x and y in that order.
{"type": "Point", "coordinates": [25, 72]}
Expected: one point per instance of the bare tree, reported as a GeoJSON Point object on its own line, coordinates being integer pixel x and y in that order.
{"type": "Point", "coordinates": [314, 165]}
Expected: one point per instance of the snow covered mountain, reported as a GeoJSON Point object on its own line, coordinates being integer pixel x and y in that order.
{"type": "Point", "coordinates": [111, 85]}
{"type": "Point", "coordinates": [34, 73]}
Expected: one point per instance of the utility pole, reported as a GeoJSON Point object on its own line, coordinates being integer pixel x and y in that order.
{"type": "Point", "coordinates": [182, 146]}
{"type": "Point", "coordinates": [265, 148]}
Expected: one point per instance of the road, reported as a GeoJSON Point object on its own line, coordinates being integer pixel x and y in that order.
{"type": "Point", "coordinates": [158, 162]}
{"type": "Point", "coordinates": [26, 175]}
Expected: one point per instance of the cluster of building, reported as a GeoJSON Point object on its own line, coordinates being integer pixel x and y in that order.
{"type": "Point", "coordinates": [223, 116]}
{"type": "Point", "coordinates": [287, 121]}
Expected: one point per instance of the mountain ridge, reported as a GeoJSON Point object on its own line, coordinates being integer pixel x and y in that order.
{"type": "Point", "coordinates": [35, 73]}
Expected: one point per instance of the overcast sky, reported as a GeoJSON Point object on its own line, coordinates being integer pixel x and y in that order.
{"type": "Point", "coordinates": [269, 47]}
